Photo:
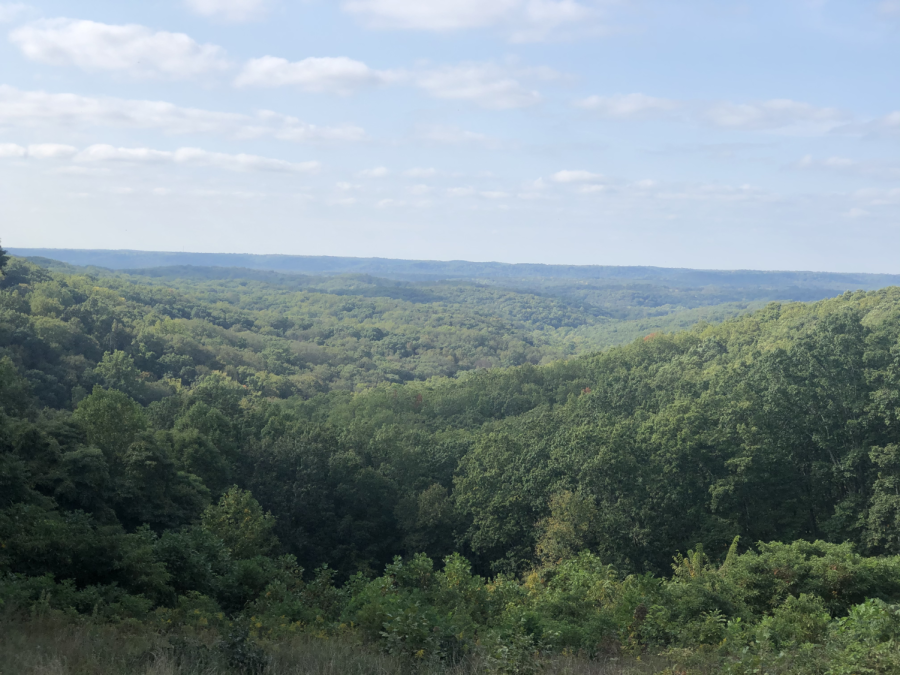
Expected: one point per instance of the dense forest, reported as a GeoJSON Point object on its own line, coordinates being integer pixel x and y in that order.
{"type": "Point", "coordinates": [448, 475]}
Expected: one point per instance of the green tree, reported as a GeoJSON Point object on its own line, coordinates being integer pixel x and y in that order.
{"type": "Point", "coordinates": [195, 454]}
{"type": "Point", "coordinates": [568, 529]}
{"type": "Point", "coordinates": [110, 419]}
{"type": "Point", "coordinates": [884, 507]}
{"type": "Point", "coordinates": [240, 522]}
{"type": "Point", "coordinates": [117, 370]}
{"type": "Point", "coordinates": [15, 391]}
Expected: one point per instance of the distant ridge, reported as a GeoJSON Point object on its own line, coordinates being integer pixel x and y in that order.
{"type": "Point", "coordinates": [458, 269]}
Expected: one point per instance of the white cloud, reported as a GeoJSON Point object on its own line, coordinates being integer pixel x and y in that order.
{"type": "Point", "coordinates": [11, 150]}
{"type": "Point", "coordinates": [377, 172]}
{"type": "Point", "coordinates": [439, 15]}
{"type": "Point", "coordinates": [51, 151]}
{"type": "Point", "coordinates": [523, 20]}
{"type": "Point", "coordinates": [9, 11]}
{"type": "Point", "coordinates": [699, 192]}
{"type": "Point", "coordinates": [487, 85]}
{"type": "Point", "coordinates": [577, 176]}
{"type": "Point", "coordinates": [872, 168]}
{"type": "Point", "coordinates": [80, 171]}
{"type": "Point", "coordinates": [890, 7]}
{"type": "Point", "coordinates": [332, 74]}
{"type": "Point", "coordinates": [100, 153]}
{"type": "Point", "coordinates": [346, 201]}
{"type": "Point", "coordinates": [628, 105]}
{"type": "Point", "coordinates": [889, 124]}
{"type": "Point", "coordinates": [461, 191]}
{"type": "Point", "coordinates": [453, 135]}
{"type": "Point", "coordinates": [37, 151]}
{"type": "Point", "coordinates": [193, 156]}
{"type": "Point", "coordinates": [230, 10]}
{"type": "Point", "coordinates": [830, 163]}
{"type": "Point", "coordinates": [132, 49]}
{"type": "Point", "coordinates": [109, 153]}
{"type": "Point", "coordinates": [543, 18]}
{"type": "Point", "coordinates": [419, 172]}
{"type": "Point", "coordinates": [288, 128]}
{"type": "Point", "coordinates": [875, 197]}
{"type": "Point", "coordinates": [886, 125]}
{"type": "Point", "coordinates": [773, 114]}
{"type": "Point", "coordinates": [32, 108]}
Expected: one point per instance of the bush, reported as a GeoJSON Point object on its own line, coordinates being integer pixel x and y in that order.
{"type": "Point", "coordinates": [797, 621]}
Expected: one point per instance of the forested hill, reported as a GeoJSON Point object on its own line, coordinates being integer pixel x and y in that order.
{"type": "Point", "coordinates": [460, 269]}
{"type": "Point", "coordinates": [178, 450]}
{"type": "Point", "coordinates": [568, 311]}
{"type": "Point", "coordinates": [781, 424]}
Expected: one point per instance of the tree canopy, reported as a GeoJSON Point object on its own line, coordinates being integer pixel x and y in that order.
{"type": "Point", "coordinates": [161, 443]}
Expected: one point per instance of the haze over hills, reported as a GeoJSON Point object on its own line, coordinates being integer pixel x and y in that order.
{"type": "Point", "coordinates": [134, 261]}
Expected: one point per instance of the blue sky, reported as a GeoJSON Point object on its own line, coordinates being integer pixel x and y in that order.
{"type": "Point", "coordinates": [709, 134]}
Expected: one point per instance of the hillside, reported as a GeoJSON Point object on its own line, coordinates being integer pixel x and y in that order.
{"type": "Point", "coordinates": [353, 419]}
{"type": "Point", "coordinates": [313, 334]}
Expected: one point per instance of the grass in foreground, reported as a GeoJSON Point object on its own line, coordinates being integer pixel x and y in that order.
{"type": "Point", "coordinates": [54, 647]}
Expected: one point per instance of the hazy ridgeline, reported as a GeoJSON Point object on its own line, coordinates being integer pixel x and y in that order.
{"type": "Point", "coordinates": [445, 467]}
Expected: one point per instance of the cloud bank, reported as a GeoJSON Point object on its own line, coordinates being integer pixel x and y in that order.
{"type": "Point", "coordinates": [340, 75]}
{"type": "Point", "coordinates": [229, 10]}
{"type": "Point", "coordinates": [101, 153]}
{"type": "Point", "coordinates": [770, 115]}
{"type": "Point", "coordinates": [133, 50]}
{"type": "Point", "coordinates": [32, 108]}
{"type": "Point", "coordinates": [488, 85]}
{"type": "Point", "coordinates": [521, 20]}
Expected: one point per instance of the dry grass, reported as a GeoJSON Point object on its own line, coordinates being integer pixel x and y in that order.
{"type": "Point", "coordinates": [48, 647]}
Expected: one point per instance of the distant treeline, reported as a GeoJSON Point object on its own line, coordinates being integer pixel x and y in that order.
{"type": "Point", "coordinates": [460, 269]}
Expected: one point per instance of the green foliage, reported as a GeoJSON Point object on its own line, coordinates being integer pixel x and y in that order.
{"type": "Point", "coordinates": [884, 510]}
{"type": "Point", "coordinates": [565, 532]}
{"type": "Point", "coordinates": [797, 621]}
{"type": "Point", "coordinates": [36, 541]}
{"type": "Point", "coordinates": [239, 521]}
{"type": "Point", "coordinates": [117, 371]}
{"type": "Point", "coordinates": [866, 640]}
{"type": "Point", "coordinates": [15, 391]}
{"type": "Point", "coordinates": [833, 572]}
{"type": "Point", "coordinates": [419, 613]}
{"type": "Point", "coordinates": [111, 420]}
{"type": "Point", "coordinates": [162, 442]}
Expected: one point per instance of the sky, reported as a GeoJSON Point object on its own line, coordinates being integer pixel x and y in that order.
{"type": "Point", "coordinates": [678, 133]}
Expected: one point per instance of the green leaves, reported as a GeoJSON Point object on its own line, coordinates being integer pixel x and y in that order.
{"type": "Point", "coordinates": [240, 522]}
{"type": "Point", "coordinates": [110, 420]}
